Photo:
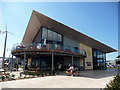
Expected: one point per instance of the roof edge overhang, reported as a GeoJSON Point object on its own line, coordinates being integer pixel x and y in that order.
{"type": "Point", "coordinates": [37, 20]}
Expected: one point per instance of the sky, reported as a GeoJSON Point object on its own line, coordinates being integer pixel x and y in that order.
{"type": "Point", "coordinates": [98, 20]}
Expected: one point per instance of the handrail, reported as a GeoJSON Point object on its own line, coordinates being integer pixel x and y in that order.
{"type": "Point", "coordinates": [40, 46]}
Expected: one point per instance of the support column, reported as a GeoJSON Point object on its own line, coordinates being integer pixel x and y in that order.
{"type": "Point", "coordinates": [80, 64]}
{"type": "Point", "coordinates": [24, 62]}
{"type": "Point", "coordinates": [72, 60]}
{"type": "Point", "coordinates": [11, 64]}
{"type": "Point", "coordinates": [83, 63]}
{"type": "Point", "coordinates": [52, 61]}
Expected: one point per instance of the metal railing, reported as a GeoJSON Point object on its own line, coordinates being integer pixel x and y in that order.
{"type": "Point", "coordinates": [39, 46]}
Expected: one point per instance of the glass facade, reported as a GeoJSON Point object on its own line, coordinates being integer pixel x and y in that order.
{"type": "Point", "coordinates": [55, 40]}
{"type": "Point", "coordinates": [45, 62]}
{"type": "Point", "coordinates": [51, 36]}
{"type": "Point", "coordinates": [99, 59]}
{"type": "Point", "coordinates": [42, 63]}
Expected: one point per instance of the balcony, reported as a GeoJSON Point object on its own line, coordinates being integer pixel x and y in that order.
{"type": "Point", "coordinates": [38, 47]}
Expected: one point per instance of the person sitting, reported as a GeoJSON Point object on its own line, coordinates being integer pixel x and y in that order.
{"type": "Point", "coordinates": [71, 69]}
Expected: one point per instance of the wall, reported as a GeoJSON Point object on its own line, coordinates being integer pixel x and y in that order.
{"type": "Point", "coordinates": [88, 59]}
{"type": "Point", "coordinates": [38, 37]}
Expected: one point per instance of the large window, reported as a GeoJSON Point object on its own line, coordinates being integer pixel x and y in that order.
{"type": "Point", "coordinates": [44, 33]}
{"type": "Point", "coordinates": [51, 36]}
{"type": "Point", "coordinates": [42, 63]}
{"type": "Point", "coordinates": [54, 36]}
{"type": "Point", "coordinates": [99, 59]}
{"type": "Point", "coordinates": [59, 38]}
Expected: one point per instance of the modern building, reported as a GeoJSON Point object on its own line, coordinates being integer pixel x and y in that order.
{"type": "Point", "coordinates": [117, 62]}
{"type": "Point", "coordinates": [51, 45]}
{"type": "Point", "coordinates": [110, 63]}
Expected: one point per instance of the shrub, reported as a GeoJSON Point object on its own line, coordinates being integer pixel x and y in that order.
{"type": "Point", "coordinates": [13, 76]}
{"type": "Point", "coordinates": [20, 76]}
{"type": "Point", "coordinates": [38, 74]}
{"type": "Point", "coordinates": [3, 78]}
{"type": "Point", "coordinates": [114, 84]}
{"type": "Point", "coordinates": [43, 74]}
{"type": "Point", "coordinates": [50, 73]}
{"type": "Point", "coordinates": [8, 76]}
{"type": "Point", "coordinates": [53, 72]}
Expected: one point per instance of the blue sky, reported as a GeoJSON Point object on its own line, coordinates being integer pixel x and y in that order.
{"type": "Point", "coordinates": [98, 20]}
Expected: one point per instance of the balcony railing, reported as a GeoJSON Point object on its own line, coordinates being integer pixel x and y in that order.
{"type": "Point", "coordinates": [39, 46]}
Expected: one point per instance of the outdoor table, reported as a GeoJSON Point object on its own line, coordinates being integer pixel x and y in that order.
{"type": "Point", "coordinates": [33, 72]}
{"type": "Point", "coordinates": [67, 71]}
{"type": "Point", "coordinates": [2, 71]}
{"type": "Point", "coordinates": [76, 71]}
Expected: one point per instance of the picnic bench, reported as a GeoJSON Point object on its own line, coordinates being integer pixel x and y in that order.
{"type": "Point", "coordinates": [2, 72]}
{"type": "Point", "coordinates": [67, 71]}
{"type": "Point", "coordinates": [74, 72]}
{"type": "Point", "coordinates": [34, 71]}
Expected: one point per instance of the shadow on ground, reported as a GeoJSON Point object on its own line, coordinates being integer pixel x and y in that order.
{"type": "Point", "coordinates": [96, 74]}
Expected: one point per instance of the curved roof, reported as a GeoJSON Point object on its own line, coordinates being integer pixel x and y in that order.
{"type": "Point", "coordinates": [37, 20]}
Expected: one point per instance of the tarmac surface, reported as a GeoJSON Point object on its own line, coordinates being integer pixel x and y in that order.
{"type": "Point", "coordinates": [87, 79]}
